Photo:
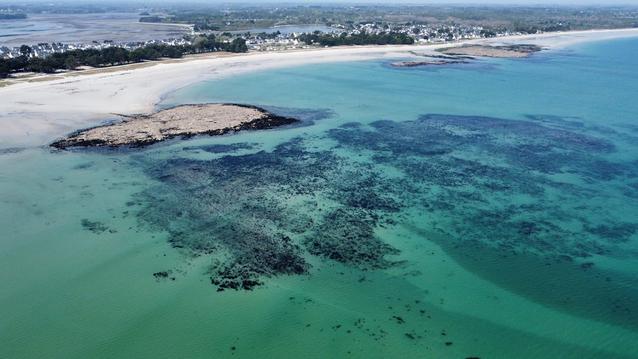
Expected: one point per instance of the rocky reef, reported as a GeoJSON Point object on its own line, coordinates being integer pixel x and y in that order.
{"type": "Point", "coordinates": [506, 51]}
{"type": "Point", "coordinates": [266, 213]}
{"type": "Point", "coordinates": [442, 62]}
{"type": "Point", "coordinates": [467, 54]}
{"type": "Point", "coordinates": [180, 121]}
{"type": "Point", "coordinates": [261, 214]}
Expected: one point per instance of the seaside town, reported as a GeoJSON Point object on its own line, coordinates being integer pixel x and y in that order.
{"type": "Point", "coordinates": [42, 50]}
{"type": "Point", "coordinates": [420, 34]}
{"type": "Point", "coordinates": [274, 41]}
{"type": "Point", "coordinates": [159, 32]}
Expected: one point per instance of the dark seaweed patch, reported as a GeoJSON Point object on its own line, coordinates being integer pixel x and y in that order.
{"type": "Point", "coordinates": [221, 148]}
{"type": "Point", "coordinates": [258, 255]}
{"type": "Point", "coordinates": [83, 166]}
{"type": "Point", "coordinates": [490, 181]}
{"type": "Point", "coordinates": [477, 163]}
{"type": "Point", "coordinates": [347, 236]}
{"type": "Point", "coordinates": [163, 275]}
{"type": "Point", "coordinates": [242, 211]}
{"type": "Point", "coordinates": [616, 232]}
{"type": "Point", "coordinates": [95, 227]}
{"type": "Point", "coordinates": [306, 116]}
{"type": "Point", "coordinates": [11, 150]}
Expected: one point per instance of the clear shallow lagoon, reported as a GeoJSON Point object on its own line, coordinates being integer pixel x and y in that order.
{"type": "Point", "coordinates": [492, 211]}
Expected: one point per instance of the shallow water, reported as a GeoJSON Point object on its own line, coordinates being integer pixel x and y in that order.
{"type": "Point", "coordinates": [473, 211]}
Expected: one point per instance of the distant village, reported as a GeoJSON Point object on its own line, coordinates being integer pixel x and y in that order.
{"type": "Point", "coordinates": [277, 41]}
{"type": "Point", "coordinates": [422, 34]}
{"type": "Point", "coordinates": [42, 50]}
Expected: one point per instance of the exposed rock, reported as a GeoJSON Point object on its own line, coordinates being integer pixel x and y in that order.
{"type": "Point", "coordinates": [180, 121]}
{"type": "Point", "coordinates": [522, 50]}
{"type": "Point", "coordinates": [428, 63]}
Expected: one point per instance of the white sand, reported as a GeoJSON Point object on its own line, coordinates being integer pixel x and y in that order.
{"type": "Point", "coordinates": [35, 113]}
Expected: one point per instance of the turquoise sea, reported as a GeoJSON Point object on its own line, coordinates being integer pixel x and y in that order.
{"type": "Point", "coordinates": [487, 210]}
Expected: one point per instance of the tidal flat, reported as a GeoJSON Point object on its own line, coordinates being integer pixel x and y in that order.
{"type": "Point", "coordinates": [447, 212]}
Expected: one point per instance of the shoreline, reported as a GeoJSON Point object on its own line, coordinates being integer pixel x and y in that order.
{"type": "Point", "coordinates": [39, 110]}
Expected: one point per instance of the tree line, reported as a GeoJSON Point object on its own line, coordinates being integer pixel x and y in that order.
{"type": "Point", "coordinates": [363, 38]}
{"type": "Point", "coordinates": [111, 56]}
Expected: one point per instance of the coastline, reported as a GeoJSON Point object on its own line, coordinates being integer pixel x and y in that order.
{"type": "Point", "coordinates": [36, 111]}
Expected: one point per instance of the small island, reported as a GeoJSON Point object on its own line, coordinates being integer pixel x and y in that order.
{"type": "Point", "coordinates": [504, 51]}
{"type": "Point", "coordinates": [180, 121]}
{"type": "Point", "coordinates": [467, 54]}
{"type": "Point", "coordinates": [428, 63]}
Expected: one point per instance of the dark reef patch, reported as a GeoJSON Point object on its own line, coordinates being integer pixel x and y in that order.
{"type": "Point", "coordinates": [245, 210]}
{"type": "Point", "coordinates": [94, 226]}
{"type": "Point", "coordinates": [306, 117]}
{"type": "Point", "coordinates": [616, 232]}
{"type": "Point", "coordinates": [492, 183]}
{"type": "Point", "coordinates": [477, 165]}
{"type": "Point", "coordinates": [11, 150]}
{"type": "Point", "coordinates": [347, 236]}
{"type": "Point", "coordinates": [221, 148]}
{"type": "Point", "coordinates": [83, 166]}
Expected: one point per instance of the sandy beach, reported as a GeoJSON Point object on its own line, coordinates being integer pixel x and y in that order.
{"type": "Point", "coordinates": [35, 112]}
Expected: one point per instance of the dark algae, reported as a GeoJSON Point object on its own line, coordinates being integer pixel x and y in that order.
{"type": "Point", "coordinates": [347, 236]}
{"type": "Point", "coordinates": [245, 222]}
{"type": "Point", "coordinates": [220, 148]}
{"type": "Point", "coordinates": [516, 190]}
{"type": "Point", "coordinates": [94, 226]}
{"type": "Point", "coordinates": [164, 275]}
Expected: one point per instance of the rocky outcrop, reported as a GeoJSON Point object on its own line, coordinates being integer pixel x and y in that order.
{"type": "Point", "coordinates": [180, 121]}
{"type": "Point", "coordinates": [505, 51]}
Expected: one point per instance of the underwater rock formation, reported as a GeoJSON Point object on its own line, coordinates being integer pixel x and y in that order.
{"type": "Point", "coordinates": [488, 181]}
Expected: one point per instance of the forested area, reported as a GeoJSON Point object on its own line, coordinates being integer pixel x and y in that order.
{"type": "Point", "coordinates": [111, 56]}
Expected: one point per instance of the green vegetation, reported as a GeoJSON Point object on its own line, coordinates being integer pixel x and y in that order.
{"type": "Point", "coordinates": [113, 56]}
{"type": "Point", "coordinates": [207, 16]}
{"type": "Point", "coordinates": [390, 38]}
{"type": "Point", "coordinates": [526, 19]}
